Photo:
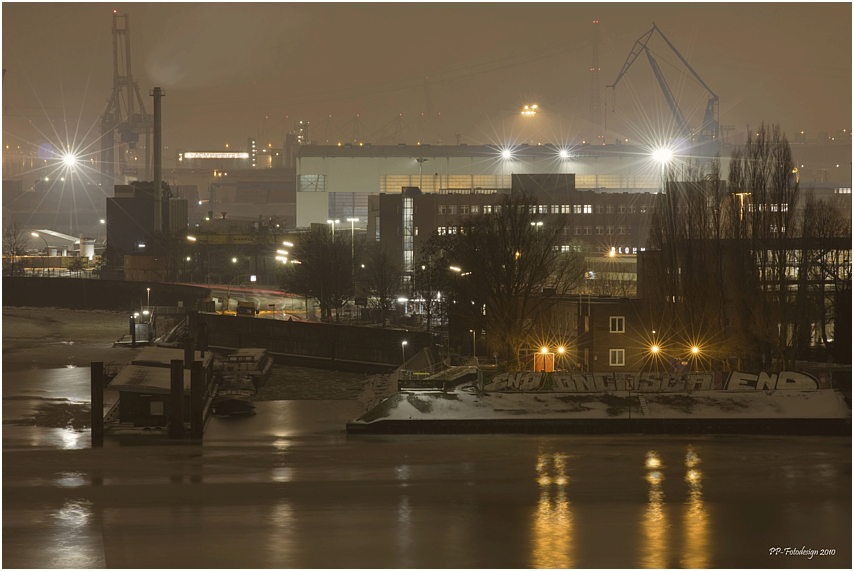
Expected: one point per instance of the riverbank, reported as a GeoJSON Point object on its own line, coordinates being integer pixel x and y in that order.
{"type": "Point", "coordinates": [702, 412]}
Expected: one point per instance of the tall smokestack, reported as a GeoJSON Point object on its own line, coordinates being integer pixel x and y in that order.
{"type": "Point", "coordinates": [157, 93]}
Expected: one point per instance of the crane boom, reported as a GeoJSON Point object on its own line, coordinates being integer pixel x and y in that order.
{"type": "Point", "coordinates": [668, 95]}
{"type": "Point", "coordinates": [709, 131]}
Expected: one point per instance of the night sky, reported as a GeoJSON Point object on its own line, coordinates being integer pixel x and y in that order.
{"type": "Point", "coordinates": [236, 70]}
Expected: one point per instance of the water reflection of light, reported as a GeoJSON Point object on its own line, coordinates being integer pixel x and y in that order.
{"type": "Point", "coordinates": [404, 533]}
{"type": "Point", "coordinates": [696, 520]}
{"type": "Point", "coordinates": [553, 518]}
{"type": "Point", "coordinates": [282, 474]}
{"type": "Point", "coordinates": [70, 438]}
{"type": "Point", "coordinates": [655, 521]}
{"type": "Point", "coordinates": [70, 480]}
{"type": "Point", "coordinates": [71, 545]}
{"type": "Point", "coordinates": [402, 473]}
{"type": "Point", "coordinates": [281, 544]}
{"type": "Point", "coordinates": [652, 460]}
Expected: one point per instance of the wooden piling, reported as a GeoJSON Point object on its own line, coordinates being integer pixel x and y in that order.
{"type": "Point", "coordinates": [176, 400]}
{"type": "Point", "coordinates": [97, 404]}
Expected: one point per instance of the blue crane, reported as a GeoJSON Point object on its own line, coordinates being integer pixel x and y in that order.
{"type": "Point", "coordinates": [710, 129]}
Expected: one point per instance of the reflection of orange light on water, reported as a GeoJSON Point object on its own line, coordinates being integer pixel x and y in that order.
{"type": "Point", "coordinates": [696, 520]}
{"type": "Point", "coordinates": [552, 533]}
{"type": "Point", "coordinates": [652, 460]}
{"type": "Point", "coordinates": [655, 522]}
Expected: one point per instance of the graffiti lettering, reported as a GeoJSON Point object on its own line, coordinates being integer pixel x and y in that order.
{"type": "Point", "coordinates": [564, 381]}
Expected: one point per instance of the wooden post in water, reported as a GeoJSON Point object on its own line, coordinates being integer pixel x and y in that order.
{"type": "Point", "coordinates": [197, 401]}
{"type": "Point", "coordinates": [176, 400]}
{"type": "Point", "coordinates": [97, 406]}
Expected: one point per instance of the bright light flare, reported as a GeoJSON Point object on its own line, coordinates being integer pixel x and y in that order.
{"type": "Point", "coordinates": [695, 349]}
{"type": "Point", "coordinates": [564, 154]}
{"type": "Point", "coordinates": [69, 159]}
{"type": "Point", "coordinates": [654, 349]}
{"type": "Point", "coordinates": [662, 155]}
{"type": "Point", "coordinates": [652, 460]}
{"type": "Point", "coordinates": [545, 350]}
{"type": "Point", "coordinates": [506, 154]}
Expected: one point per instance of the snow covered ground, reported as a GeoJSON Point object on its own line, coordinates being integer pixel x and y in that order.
{"type": "Point", "coordinates": [467, 405]}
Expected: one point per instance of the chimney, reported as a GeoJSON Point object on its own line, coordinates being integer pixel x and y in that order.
{"type": "Point", "coordinates": [157, 93]}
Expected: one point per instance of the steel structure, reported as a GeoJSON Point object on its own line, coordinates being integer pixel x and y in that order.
{"type": "Point", "coordinates": [597, 117]}
{"type": "Point", "coordinates": [710, 129]}
{"type": "Point", "coordinates": [125, 118]}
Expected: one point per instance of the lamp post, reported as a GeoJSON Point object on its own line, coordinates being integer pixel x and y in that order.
{"type": "Point", "coordinates": [352, 222]}
{"type": "Point", "coordinates": [207, 257]}
{"type": "Point", "coordinates": [537, 226]}
{"type": "Point", "coordinates": [403, 351]}
{"type": "Point", "coordinates": [46, 247]}
{"type": "Point", "coordinates": [473, 343]}
{"type": "Point", "coordinates": [421, 173]}
{"type": "Point", "coordinates": [333, 222]}
{"type": "Point", "coordinates": [147, 297]}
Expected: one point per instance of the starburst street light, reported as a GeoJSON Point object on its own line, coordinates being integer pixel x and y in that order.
{"type": "Point", "coordinates": [662, 155]}
{"type": "Point", "coordinates": [564, 154]}
{"type": "Point", "coordinates": [69, 159]}
{"type": "Point", "coordinates": [506, 154]}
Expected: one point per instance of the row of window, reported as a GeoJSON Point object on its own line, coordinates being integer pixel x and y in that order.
{"type": "Point", "coordinates": [453, 209]}
{"type": "Point", "coordinates": [600, 230]}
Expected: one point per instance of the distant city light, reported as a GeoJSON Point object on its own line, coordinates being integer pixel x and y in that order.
{"type": "Point", "coordinates": [506, 154]}
{"type": "Point", "coordinates": [216, 155]}
{"type": "Point", "coordinates": [564, 154]}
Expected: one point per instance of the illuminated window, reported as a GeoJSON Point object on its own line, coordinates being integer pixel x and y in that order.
{"type": "Point", "coordinates": [475, 209]}
{"type": "Point", "coordinates": [564, 208]}
{"type": "Point", "coordinates": [487, 209]}
{"type": "Point", "coordinates": [555, 208]}
{"type": "Point", "coordinates": [617, 357]}
{"type": "Point", "coordinates": [643, 208]}
{"type": "Point", "coordinates": [576, 209]}
{"type": "Point", "coordinates": [543, 209]}
{"type": "Point", "coordinates": [588, 209]}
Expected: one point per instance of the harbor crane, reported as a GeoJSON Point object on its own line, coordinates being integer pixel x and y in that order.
{"type": "Point", "coordinates": [710, 129]}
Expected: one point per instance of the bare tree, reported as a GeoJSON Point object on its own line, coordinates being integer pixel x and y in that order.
{"type": "Point", "coordinates": [320, 269]}
{"type": "Point", "coordinates": [382, 276]}
{"type": "Point", "coordinates": [15, 241]}
{"type": "Point", "coordinates": [511, 270]}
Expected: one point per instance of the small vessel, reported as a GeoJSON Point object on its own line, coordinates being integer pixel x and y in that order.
{"type": "Point", "coordinates": [246, 369]}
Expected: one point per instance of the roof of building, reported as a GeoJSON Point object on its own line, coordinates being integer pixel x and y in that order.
{"type": "Point", "coordinates": [141, 379]}
{"type": "Point", "coordinates": [162, 357]}
{"type": "Point", "coordinates": [474, 151]}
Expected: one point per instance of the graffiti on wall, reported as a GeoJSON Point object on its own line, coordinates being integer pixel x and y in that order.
{"type": "Point", "coordinates": [564, 381]}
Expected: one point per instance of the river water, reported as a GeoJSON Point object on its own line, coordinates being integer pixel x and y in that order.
{"type": "Point", "coordinates": [289, 488]}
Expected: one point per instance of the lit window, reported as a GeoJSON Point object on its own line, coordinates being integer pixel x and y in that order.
{"type": "Point", "coordinates": [544, 209]}
{"type": "Point", "coordinates": [618, 324]}
{"type": "Point", "coordinates": [617, 357]}
{"type": "Point", "coordinates": [643, 208]}
{"type": "Point", "coordinates": [588, 209]}
{"type": "Point", "coordinates": [487, 209]}
{"type": "Point", "coordinates": [576, 209]}
{"type": "Point", "coordinates": [564, 208]}
{"type": "Point", "coordinates": [555, 208]}
{"type": "Point", "coordinates": [475, 209]}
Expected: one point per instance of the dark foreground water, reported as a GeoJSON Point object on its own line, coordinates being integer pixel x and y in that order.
{"type": "Point", "coordinates": [288, 488]}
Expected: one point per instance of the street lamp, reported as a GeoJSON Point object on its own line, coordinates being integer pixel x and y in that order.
{"type": "Point", "coordinates": [333, 222]}
{"type": "Point", "coordinates": [537, 226]}
{"type": "Point", "coordinates": [46, 249]}
{"type": "Point", "coordinates": [207, 257]}
{"type": "Point", "coordinates": [421, 173]}
{"type": "Point", "coordinates": [473, 343]}
{"type": "Point", "coordinates": [147, 297]}
{"type": "Point", "coordinates": [352, 222]}
{"type": "Point", "coordinates": [403, 350]}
